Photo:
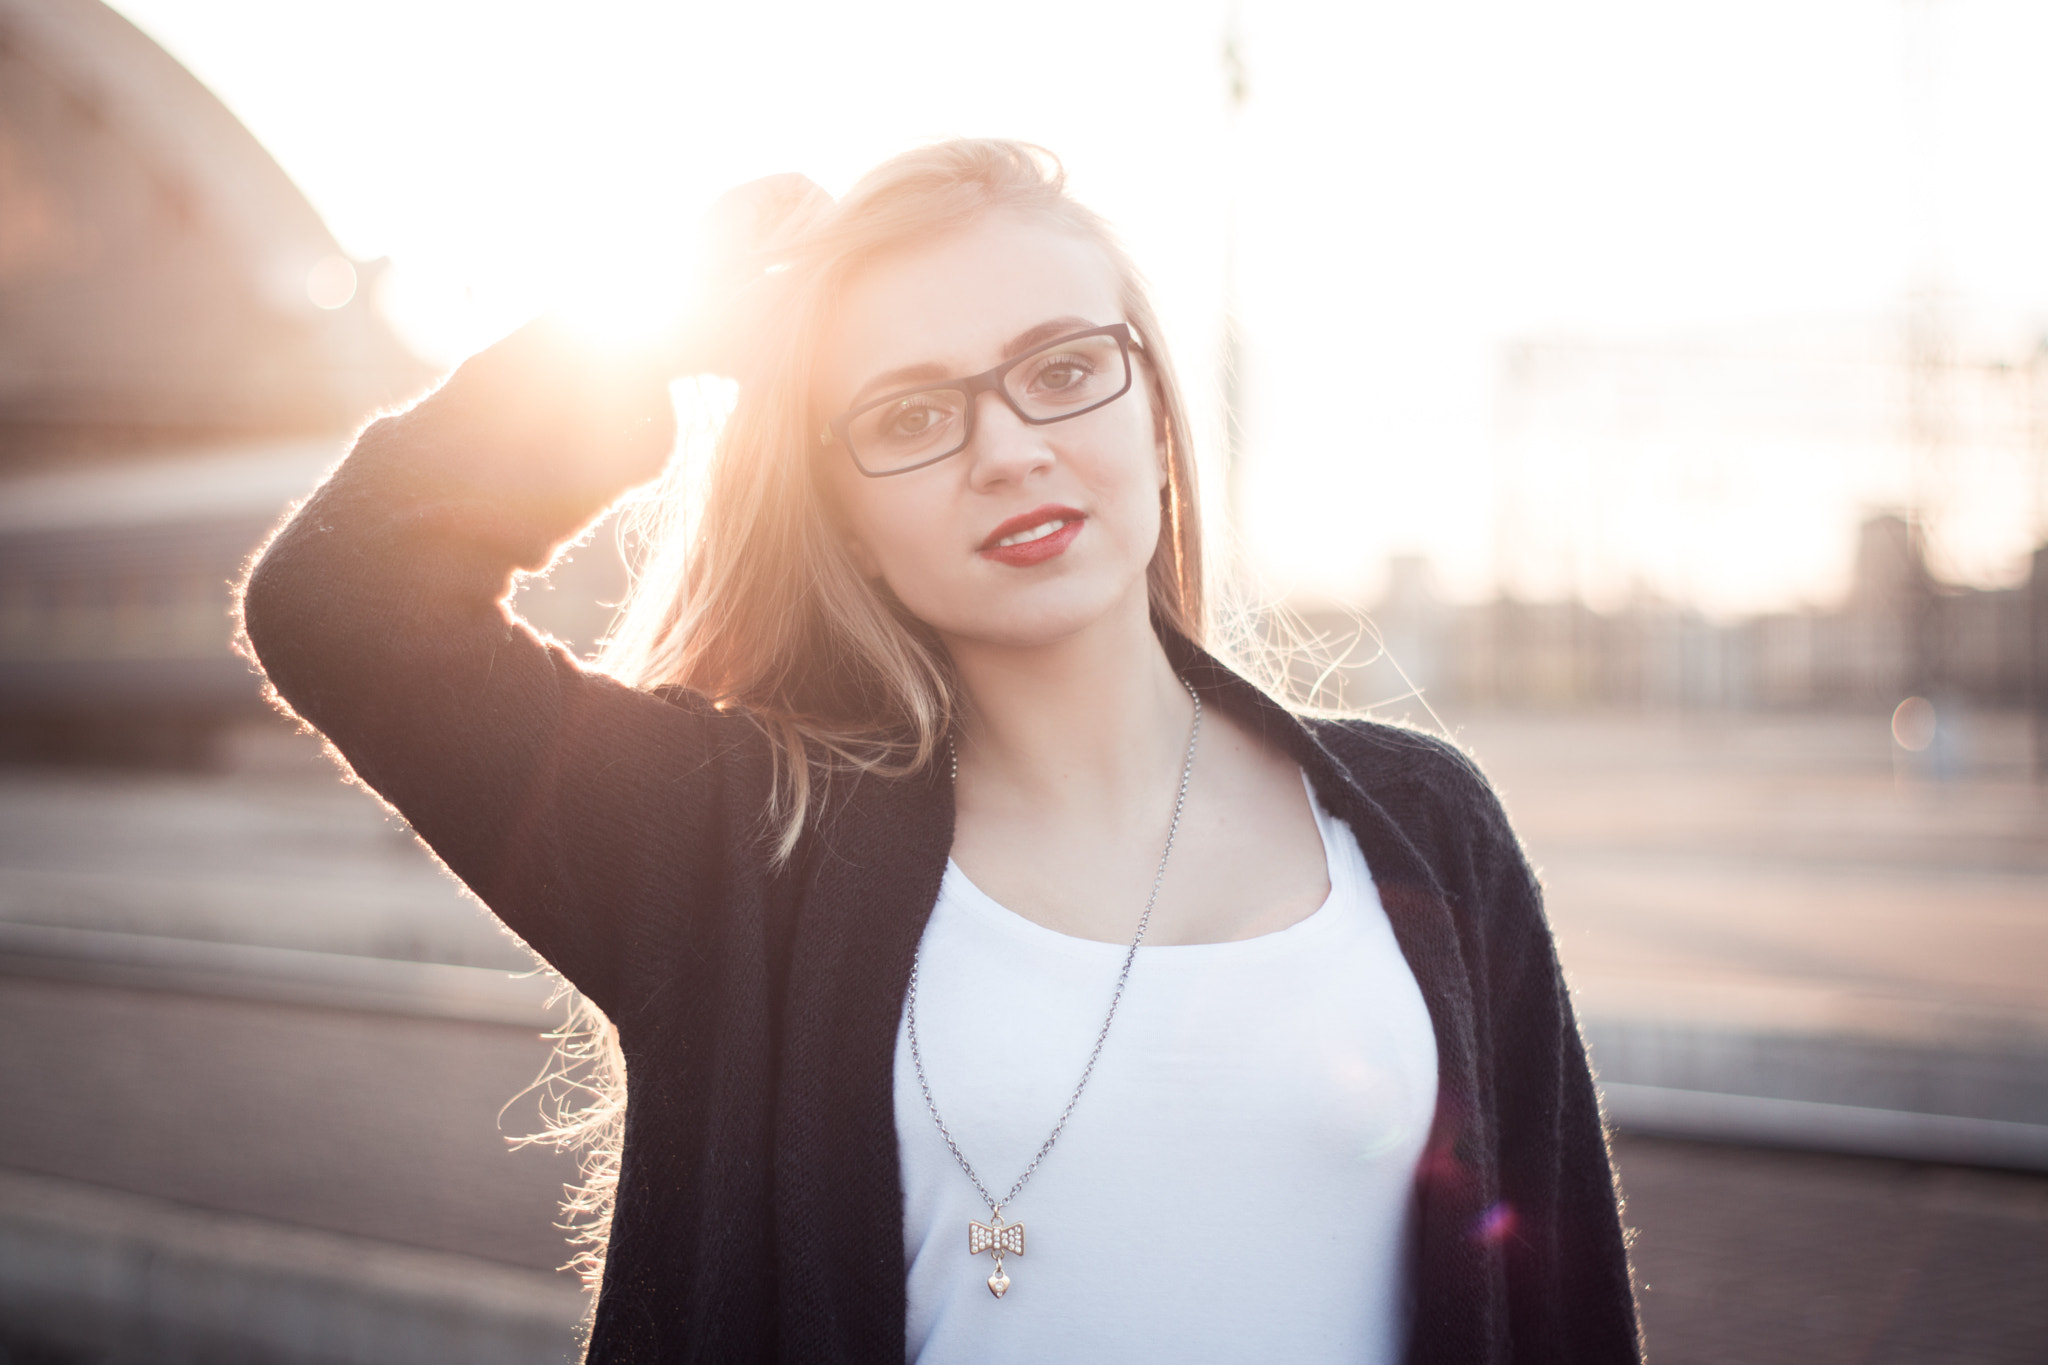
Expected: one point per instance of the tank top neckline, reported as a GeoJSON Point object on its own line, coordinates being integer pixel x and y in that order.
{"type": "Point", "coordinates": [1309, 929]}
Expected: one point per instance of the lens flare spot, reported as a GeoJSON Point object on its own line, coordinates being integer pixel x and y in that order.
{"type": "Point", "coordinates": [1914, 724]}
{"type": "Point", "coordinates": [1496, 1225]}
{"type": "Point", "coordinates": [331, 283]}
{"type": "Point", "coordinates": [634, 295]}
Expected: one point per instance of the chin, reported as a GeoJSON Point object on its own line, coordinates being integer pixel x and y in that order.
{"type": "Point", "coordinates": [1035, 619]}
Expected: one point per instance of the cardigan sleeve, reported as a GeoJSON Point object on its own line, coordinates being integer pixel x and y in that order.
{"type": "Point", "coordinates": [378, 613]}
{"type": "Point", "coordinates": [1525, 1259]}
{"type": "Point", "coordinates": [1557, 1223]}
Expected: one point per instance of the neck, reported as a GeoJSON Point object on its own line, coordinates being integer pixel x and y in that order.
{"type": "Point", "coordinates": [1092, 718]}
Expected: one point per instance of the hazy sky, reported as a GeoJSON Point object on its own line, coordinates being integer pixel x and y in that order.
{"type": "Point", "coordinates": [1416, 187]}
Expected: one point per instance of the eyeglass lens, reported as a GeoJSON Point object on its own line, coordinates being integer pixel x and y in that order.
{"type": "Point", "coordinates": [1064, 380]}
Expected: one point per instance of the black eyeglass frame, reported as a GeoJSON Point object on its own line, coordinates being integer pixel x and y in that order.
{"type": "Point", "coordinates": [974, 386]}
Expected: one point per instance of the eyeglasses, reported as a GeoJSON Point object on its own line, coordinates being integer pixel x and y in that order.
{"type": "Point", "coordinates": [1062, 379]}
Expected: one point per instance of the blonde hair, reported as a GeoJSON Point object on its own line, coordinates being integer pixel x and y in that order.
{"type": "Point", "coordinates": [748, 587]}
{"type": "Point", "coordinates": [745, 587]}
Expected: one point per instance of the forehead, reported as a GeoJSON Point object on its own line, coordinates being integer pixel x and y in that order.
{"type": "Point", "coordinates": [955, 302]}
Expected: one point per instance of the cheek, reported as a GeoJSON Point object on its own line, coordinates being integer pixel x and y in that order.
{"type": "Point", "coordinates": [1141, 462]}
{"type": "Point", "coordinates": [888, 530]}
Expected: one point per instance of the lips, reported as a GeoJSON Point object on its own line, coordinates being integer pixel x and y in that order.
{"type": "Point", "coordinates": [1036, 535]}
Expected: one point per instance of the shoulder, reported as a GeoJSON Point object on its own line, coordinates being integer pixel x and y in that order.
{"type": "Point", "coordinates": [1429, 786]}
{"type": "Point", "coordinates": [1402, 760]}
{"type": "Point", "coordinates": [741, 734]}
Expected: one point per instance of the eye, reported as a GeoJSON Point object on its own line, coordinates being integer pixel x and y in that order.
{"type": "Point", "coordinates": [1060, 371]}
{"type": "Point", "coordinates": [909, 421]}
{"type": "Point", "coordinates": [914, 417]}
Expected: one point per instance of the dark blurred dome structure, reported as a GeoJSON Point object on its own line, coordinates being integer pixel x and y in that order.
{"type": "Point", "coordinates": [183, 346]}
{"type": "Point", "coordinates": [161, 278]}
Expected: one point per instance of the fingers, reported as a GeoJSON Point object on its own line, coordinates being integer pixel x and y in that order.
{"type": "Point", "coordinates": [753, 218]}
{"type": "Point", "coordinates": [742, 231]}
{"type": "Point", "coordinates": [556, 385]}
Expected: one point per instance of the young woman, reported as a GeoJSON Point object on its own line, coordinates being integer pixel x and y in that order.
{"type": "Point", "coordinates": [998, 975]}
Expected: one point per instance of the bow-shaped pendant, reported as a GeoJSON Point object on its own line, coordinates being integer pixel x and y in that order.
{"type": "Point", "coordinates": [998, 1237]}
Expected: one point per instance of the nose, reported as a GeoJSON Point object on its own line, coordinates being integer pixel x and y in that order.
{"type": "Point", "coordinates": [1005, 448]}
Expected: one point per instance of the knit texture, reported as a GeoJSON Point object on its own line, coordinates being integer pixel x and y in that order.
{"type": "Point", "coordinates": [619, 833]}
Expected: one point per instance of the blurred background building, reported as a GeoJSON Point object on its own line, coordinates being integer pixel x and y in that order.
{"type": "Point", "coordinates": [1897, 632]}
{"type": "Point", "coordinates": [1602, 449]}
{"type": "Point", "coordinates": [182, 347]}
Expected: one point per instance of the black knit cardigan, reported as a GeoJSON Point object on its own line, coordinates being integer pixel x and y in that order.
{"type": "Point", "coordinates": [618, 832]}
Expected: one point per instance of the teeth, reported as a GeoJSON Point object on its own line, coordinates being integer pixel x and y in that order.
{"type": "Point", "coordinates": [1033, 534]}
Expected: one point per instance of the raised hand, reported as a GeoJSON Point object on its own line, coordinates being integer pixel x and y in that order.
{"type": "Point", "coordinates": [740, 238]}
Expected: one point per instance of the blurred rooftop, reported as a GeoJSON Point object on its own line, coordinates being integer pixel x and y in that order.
{"type": "Point", "coordinates": [162, 281]}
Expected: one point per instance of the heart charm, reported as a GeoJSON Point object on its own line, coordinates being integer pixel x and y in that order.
{"type": "Point", "coordinates": [998, 1283]}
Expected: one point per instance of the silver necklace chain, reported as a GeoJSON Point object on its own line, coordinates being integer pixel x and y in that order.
{"type": "Point", "coordinates": [1116, 996]}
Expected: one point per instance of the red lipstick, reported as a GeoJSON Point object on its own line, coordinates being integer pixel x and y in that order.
{"type": "Point", "coordinates": [1037, 551]}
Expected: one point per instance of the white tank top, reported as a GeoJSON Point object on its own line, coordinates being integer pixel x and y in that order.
{"type": "Point", "coordinates": [1237, 1182]}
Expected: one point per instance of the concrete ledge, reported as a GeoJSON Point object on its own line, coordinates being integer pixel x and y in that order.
{"type": "Point", "coordinates": [295, 976]}
{"type": "Point", "coordinates": [1931, 1098]}
{"type": "Point", "coordinates": [1764, 1121]}
{"type": "Point", "coordinates": [1969, 1075]}
{"type": "Point", "coordinates": [1967, 1100]}
{"type": "Point", "coordinates": [128, 1279]}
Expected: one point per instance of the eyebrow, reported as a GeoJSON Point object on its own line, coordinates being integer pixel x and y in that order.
{"type": "Point", "coordinates": [892, 380]}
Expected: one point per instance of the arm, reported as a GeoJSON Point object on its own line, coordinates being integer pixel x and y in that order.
{"type": "Point", "coordinates": [1529, 1266]}
{"type": "Point", "coordinates": [378, 613]}
{"type": "Point", "coordinates": [1558, 1223]}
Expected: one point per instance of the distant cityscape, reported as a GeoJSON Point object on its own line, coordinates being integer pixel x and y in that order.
{"type": "Point", "coordinates": [1898, 633]}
